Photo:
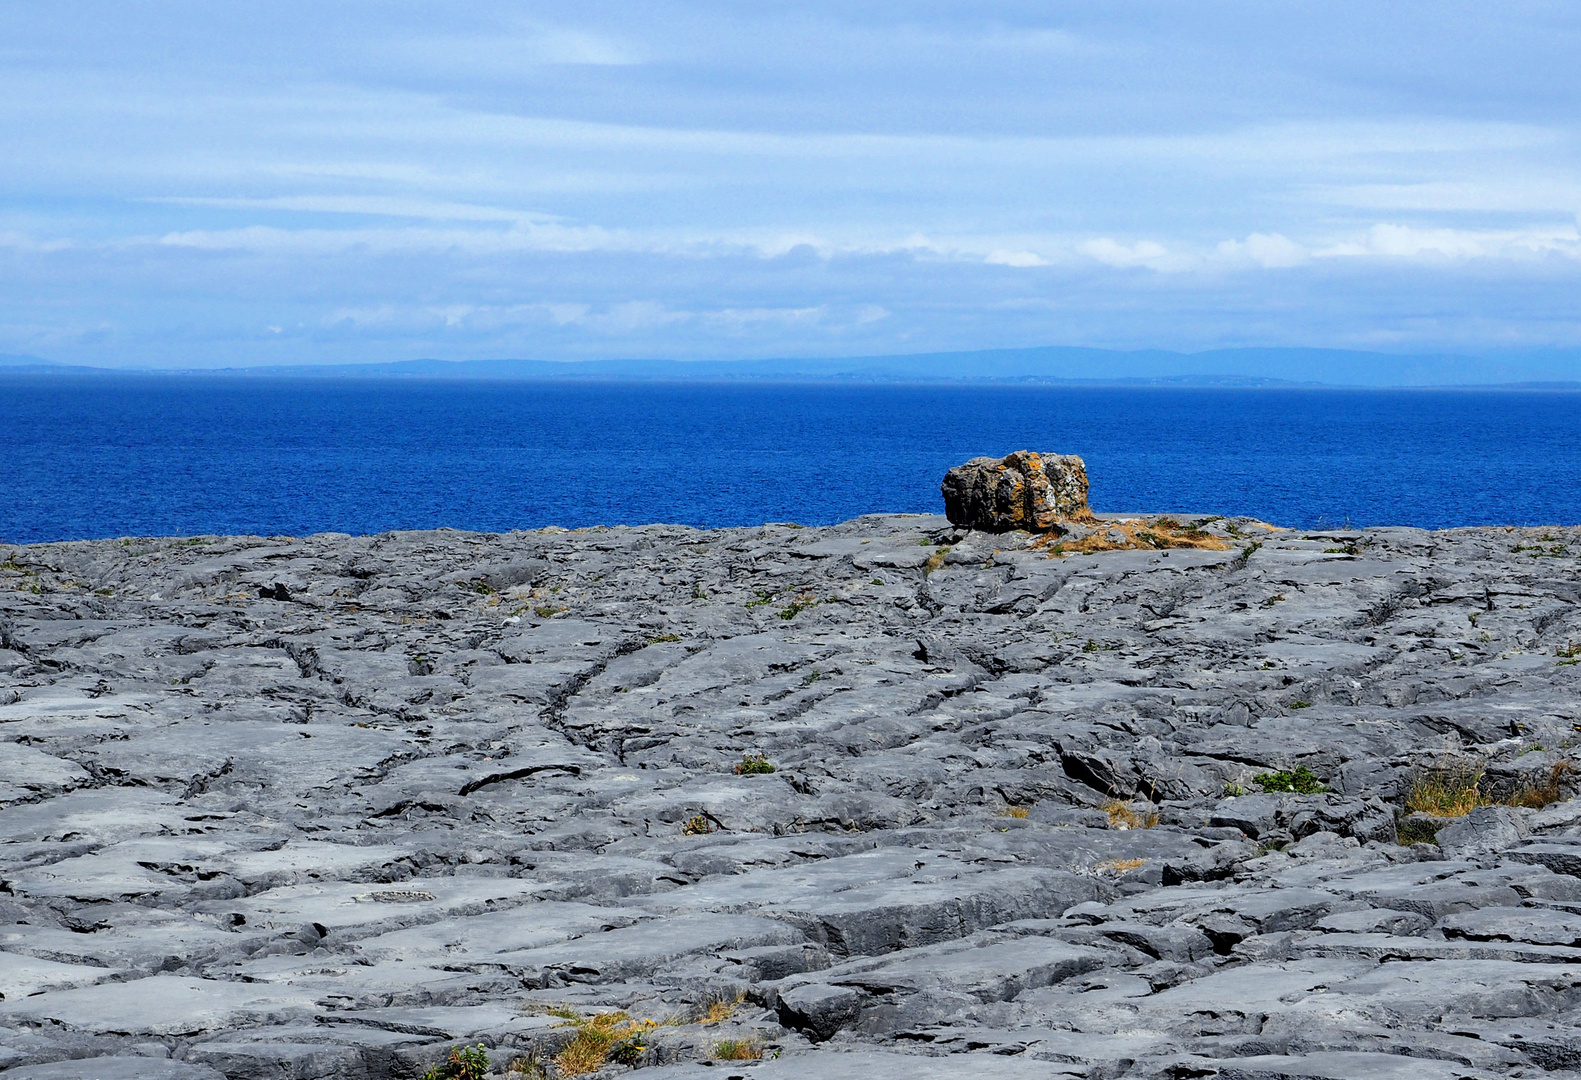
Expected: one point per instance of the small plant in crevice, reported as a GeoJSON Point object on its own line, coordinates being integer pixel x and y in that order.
{"type": "Point", "coordinates": [1537, 551]}
{"type": "Point", "coordinates": [1123, 816]}
{"type": "Point", "coordinates": [1538, 793]}
{"type": "Point", "coordinates": [1410, 831]}
{"type": "Point", "coordinates": [1448, 791]}
{"type": "Point", "coordinates": [1300, 704]}
{"type": "Point", "coordinates": [1017, 812]}
{"type": "Point", "coordinates": [754, 765]}
{"type": "Point", "coordinates": [697, 825]}
{"type": "Point", "coordinates": [462, 1063]}
{"type": "Point", "coordinates": [629, 1052]}
{"type": "Point", "coordinates": [601, 1038]}
{"type": "Point", "coordinates": [1299, 781]}
{"type": "Point", "coordinates": [526, 1068]}
{"type": "Point", "coordinates": [660, 639]}
{"type": "Point", "coordinates": [797, 606]}
{"type": "Point", "coordinates": [719, 1010]}
{"type": "Point", "coordinates": [1568, 653]}
{"type": "Point", "coordinates": [936, 560]}
{"type": "Point", "coordinates": [738, 1050]}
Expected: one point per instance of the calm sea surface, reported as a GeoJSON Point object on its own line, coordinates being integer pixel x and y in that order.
{"type": "Point", "coordinates": [97, 457]}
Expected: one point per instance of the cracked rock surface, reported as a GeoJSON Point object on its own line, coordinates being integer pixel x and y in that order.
{"type": "Point", "coordinates": [326, 807]}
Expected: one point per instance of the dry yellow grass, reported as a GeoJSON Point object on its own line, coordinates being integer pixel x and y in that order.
{"type": "Point", "coordinates": [1451, 791]}
{"type": "Point", "coordinates": [596, 1037]}
{"type": "Point", "coordinates": [1537, 794]}
{"type": "Point", "coordinates": [1122, 816]}
{"type": "Point", "coordinates": [1454, 791]}
{"type": "Point", "coordinates": [720, 1011]}
{"type": "Point", "coordinates": [1015, 811]}
{"type": "Point", "coordinates": [738, 1050]}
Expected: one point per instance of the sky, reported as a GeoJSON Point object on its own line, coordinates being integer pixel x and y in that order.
{"type": "Point", "coordinates": [197, 184]}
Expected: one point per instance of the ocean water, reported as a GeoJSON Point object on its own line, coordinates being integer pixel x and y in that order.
{"type": "Point", "coordinates": [145, 456]}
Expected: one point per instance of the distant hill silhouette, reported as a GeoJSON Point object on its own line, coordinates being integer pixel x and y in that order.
{"type": "Point", "coordinates": [1261, 367]}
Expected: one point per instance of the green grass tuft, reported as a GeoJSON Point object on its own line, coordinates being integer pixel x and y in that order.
{"type": "Point", "coordinates": [1301, 781]}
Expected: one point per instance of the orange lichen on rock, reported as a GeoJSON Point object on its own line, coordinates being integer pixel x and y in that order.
{"type": "Point", "coordinates": [1046, 494]}
{"type": "Point", "coordinates": [1023, 490]}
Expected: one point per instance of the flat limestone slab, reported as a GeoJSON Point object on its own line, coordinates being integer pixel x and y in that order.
{"type": "Point", "coordinates": [162, 1005]}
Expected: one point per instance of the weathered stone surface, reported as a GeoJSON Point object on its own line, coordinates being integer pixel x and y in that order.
{"type": "Point", "coordinates": [1023, 490]}
{"type": "Point", "coordinates": [323, 808]}
{"type": "Point", "coordinates": [114, 1068]}
{"type": "Point", "coordinates": [1487, 830]}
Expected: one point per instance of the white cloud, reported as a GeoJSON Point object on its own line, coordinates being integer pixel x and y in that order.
{"type": "Point", "coordinates": [1387, 240]}
{"type": "Point", "coordinates": [742, 318]}
{"type": "Point", "coordinates": [664, 175]}
{"type": "Point", "coordinates": [1142, 253]}
{"type": "Point", "coordinates": [274, 240]}
{"type": "Point", "coordinates": [1269, 250]}
{"type": "Point", "coordinates": [1015, 258]}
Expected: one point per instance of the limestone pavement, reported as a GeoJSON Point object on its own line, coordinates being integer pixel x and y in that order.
{"type": "Point", "coordinates": [327, 807]}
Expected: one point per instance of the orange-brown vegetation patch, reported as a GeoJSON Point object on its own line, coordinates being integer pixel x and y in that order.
{"type": "Point", "coordinates": [1124, 816]}
{"type": "Point", "coordinates": [1119, 866]}
{"type": "Point", "coordinates": [1145, 534]}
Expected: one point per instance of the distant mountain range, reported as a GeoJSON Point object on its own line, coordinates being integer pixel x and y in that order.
{"type": "Point", "coordinates": [1050, 365]}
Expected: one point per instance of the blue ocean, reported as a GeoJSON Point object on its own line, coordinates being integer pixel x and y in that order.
{"type": "Point", "coordinates": [183, 455]}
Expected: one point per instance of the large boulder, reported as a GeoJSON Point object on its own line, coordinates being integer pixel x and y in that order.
{"type": "Point", "coordinates": [1026, 490]}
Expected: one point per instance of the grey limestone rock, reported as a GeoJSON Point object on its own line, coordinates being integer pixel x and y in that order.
{"type": "Point", "coordinates": [1487, 830]}
{"type": "Point", "coordinates": [323, 808]}
{"type": "Point", "coordinates": [819, 1009]}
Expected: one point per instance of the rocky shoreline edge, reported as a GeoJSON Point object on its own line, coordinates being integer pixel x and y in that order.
{"type": "Point", "coordinates": [890, 797]}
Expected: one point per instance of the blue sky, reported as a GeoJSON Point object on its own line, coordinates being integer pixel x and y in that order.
{"type": "Point", "coordinates": [202, 184]}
